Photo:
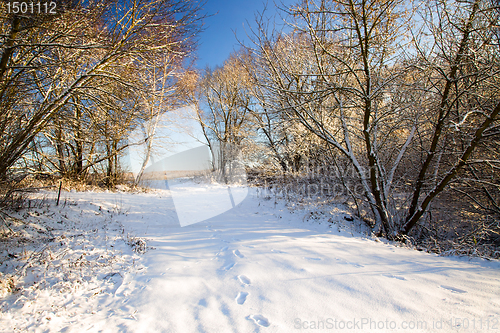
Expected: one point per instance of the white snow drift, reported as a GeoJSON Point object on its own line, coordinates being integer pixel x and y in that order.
{"type": "Point", "coordinates": [259, 267]}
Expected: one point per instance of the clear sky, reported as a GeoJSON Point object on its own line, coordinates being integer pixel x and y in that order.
{"type": "Point", "coordinates": [229, 17]}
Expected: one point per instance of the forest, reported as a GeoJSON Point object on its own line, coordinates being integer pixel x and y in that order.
{"type": "Point", "coordinates": [388, 106]}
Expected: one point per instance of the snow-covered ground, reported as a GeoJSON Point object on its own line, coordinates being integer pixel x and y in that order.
{"type": "Point", "coordinates": [259, 267]}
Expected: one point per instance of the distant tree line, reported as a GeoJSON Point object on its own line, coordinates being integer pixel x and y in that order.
{"type": "Point", "coordinates": [73, 84]}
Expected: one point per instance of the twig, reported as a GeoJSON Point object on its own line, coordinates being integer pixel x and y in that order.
{"type": "Point", "coordinates": [12, 217]}
{"type": "Point", "coordinates": [59, 194]}
{"type": "Point", "coordinates": [6, 224]}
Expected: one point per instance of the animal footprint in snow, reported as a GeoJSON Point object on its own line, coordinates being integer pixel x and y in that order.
{"type": "Point", "coordinates": [342, 261]}
{"type": "Point", "coordinates": [456, 290]}
{"type": "Point", "coordinates": [260, 320]}
{"type": "Point", "coordinates": [312, 258]}
{"type": "Point", "coordinates": [228, 267]}
{"type": "Point", "coordinates": [243, 279]}
{"type": "Point", "coordinates": [242, 297]}
{"type": "Point", "coordinates": [223, 249]}
{"type": "Point", "coordinates": [238, 254]}
{"type": "Point", "coordinates": [396, 277]}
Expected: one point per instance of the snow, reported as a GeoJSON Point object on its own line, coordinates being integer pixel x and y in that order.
{"type": "Point", "coordinates": [263, 266]}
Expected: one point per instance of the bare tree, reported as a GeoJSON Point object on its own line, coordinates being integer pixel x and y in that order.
{"type": "Point", "coordinates": [85, 69]}
{"type": "Point", "coordinates": [78, 60]}
{"type": "Point", "coordinates": [225, 120]}
{"type": "Point", "coordinates": [163, 95]}
{"type": "Point", "coordinates": [465, 63]}
{"type": "Point", "coordinates": [389, 105]}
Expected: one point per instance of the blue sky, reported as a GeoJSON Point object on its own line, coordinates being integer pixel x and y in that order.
{"type": "Point", "coordinates": [218, 40]}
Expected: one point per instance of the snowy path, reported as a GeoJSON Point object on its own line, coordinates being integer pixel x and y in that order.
{"type": "Point", "coordinates": [258, 268]}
